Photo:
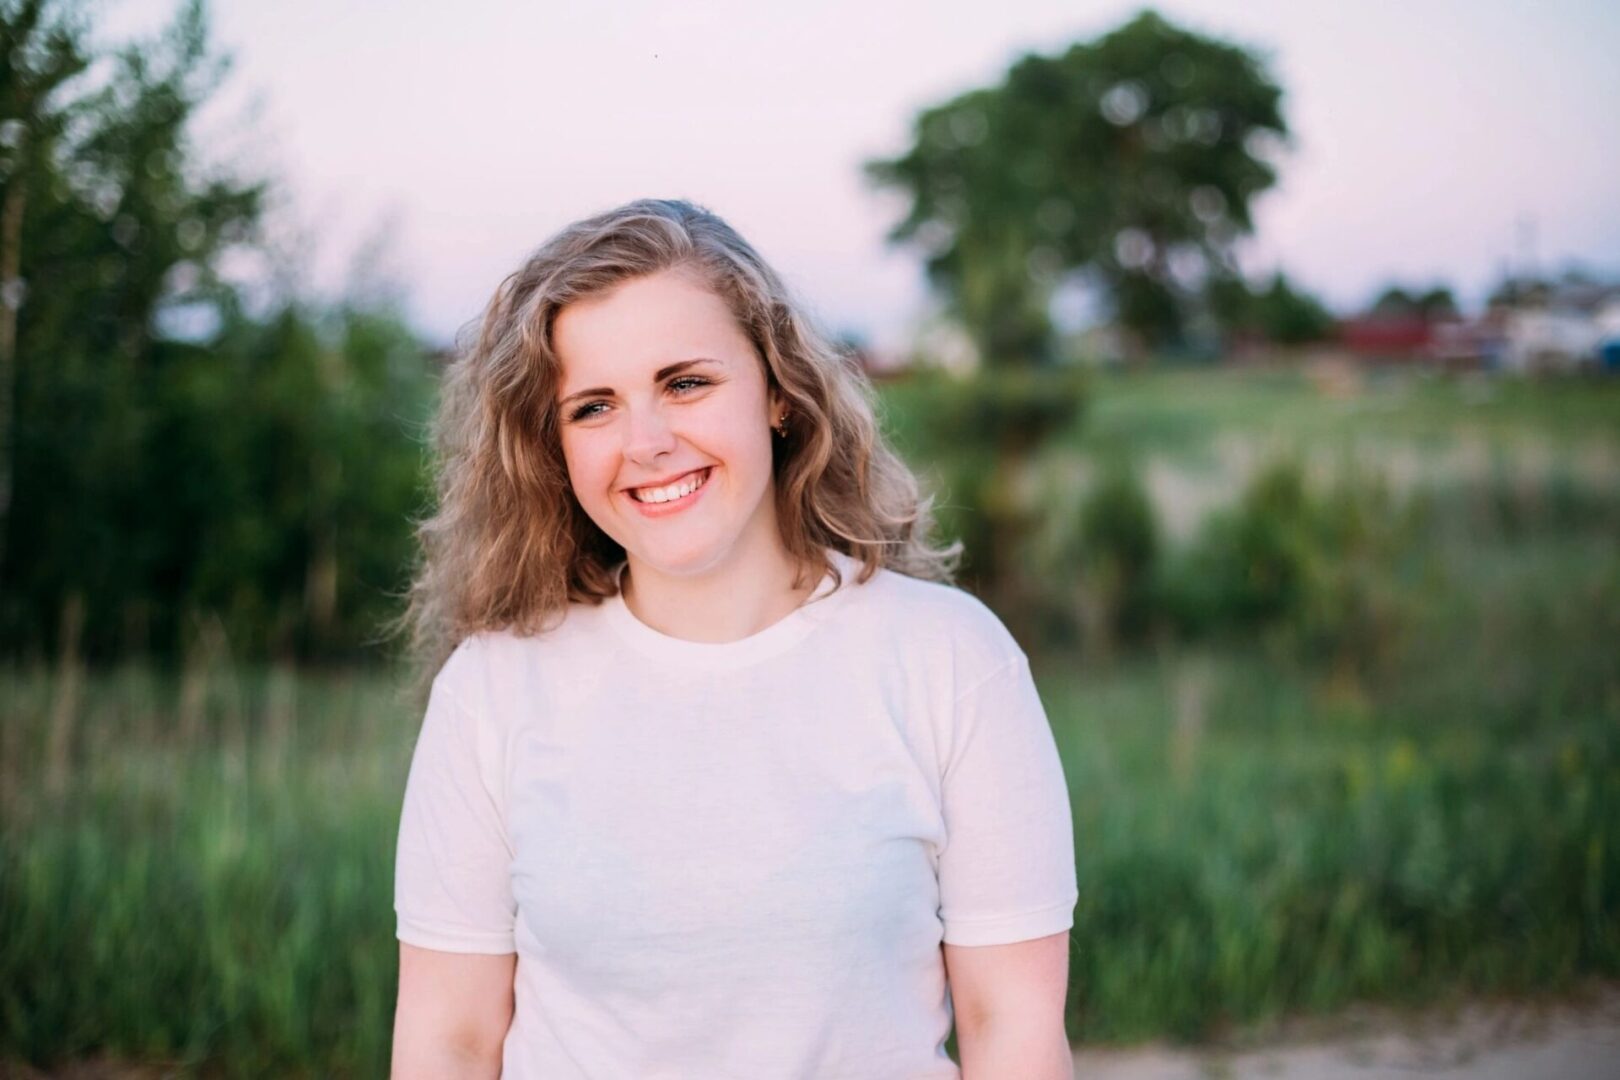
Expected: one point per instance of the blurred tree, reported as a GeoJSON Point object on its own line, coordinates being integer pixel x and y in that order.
{"type": "Point", "coordinates": [1119, 553]}
{"type": "Point", "coordinates": [1280, 312]}
{"type": "Point", "coordinates": [1437, 302]}
{"type": "Point", "coordinates": [1515, 291]}
{"type": "Point", "coordinates": [1394, 300]}
{"type": "Point", "coordinates": [1135, 157]}
{"type": "Point", "coordinates": [293, 436]}
{"type": "Point", "coordinates": [173, 454]}
{"type": "Point", "coordinates": [40, 50]}
{"type": "Point", "coordinates": [980, 438]}
{"type": "Point", "coordinates": [113, 222]}
{"type": "Point", "coordinates": [1431, 303]}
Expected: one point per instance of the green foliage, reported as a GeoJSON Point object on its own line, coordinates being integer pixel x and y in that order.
{"type": "Point", "coordinates": [1297, 852]}
{"type": "Point", "coordinates": [1272, 837]}
{"type": "Point", "coordinates": [1252, 564]}
{"type": "Point", "coordinates": [1117, 524]}
{"type": "Point", "coordinates": [1316, 571]}
{"type": "Point", "coordinates": [1434, 302]}
{"type": "Point", "coordinates": [298, 439]}
{"type": "Point", "coordinates": [974, 439]}
{"type": "Point", "coordinates": [1113, 158]}
{"type": "Point", "coordinates": [261, 468]}
{"type": "Point", "coordinates": [1279, 312]}
{"type": "Point", "coordinates": [218, 901]}
{"type": "Point", "coordinates": [1007, 410]}
{"type": "Point", "coordinates": [41, 48]}
{"type": "Point", "coordinates": [1120, 550]}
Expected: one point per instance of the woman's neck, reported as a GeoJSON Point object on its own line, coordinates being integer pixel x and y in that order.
{"type": "Point", "coordinates": [729, 602]}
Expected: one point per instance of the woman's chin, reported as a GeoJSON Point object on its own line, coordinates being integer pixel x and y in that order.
{"type": "Point", "coordinates": [673, 557]}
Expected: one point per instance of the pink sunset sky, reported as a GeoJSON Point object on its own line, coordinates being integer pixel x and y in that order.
{"type": "Point", "coordinates": [1433, 141]}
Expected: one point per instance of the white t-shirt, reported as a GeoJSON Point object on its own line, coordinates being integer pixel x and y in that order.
{"type": "Point", "coordinates": [738, 859]}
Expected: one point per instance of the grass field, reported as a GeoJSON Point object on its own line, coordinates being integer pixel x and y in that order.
{"type": "Point", "coordinates": [1254, 838]}
{"type": "Point", "coordinates": [198, 868]}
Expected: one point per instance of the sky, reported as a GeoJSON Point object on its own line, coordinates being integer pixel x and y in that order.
{"type": "Point", "coordinates": [438, 144]}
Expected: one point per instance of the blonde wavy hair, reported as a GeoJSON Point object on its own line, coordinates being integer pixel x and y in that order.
{"type": "Point", "coordinates": [508, 545]}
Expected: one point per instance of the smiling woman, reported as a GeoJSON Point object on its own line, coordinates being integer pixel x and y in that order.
{"type": "Point", "coordinates": [675, 468]}
{"type": "Point", "coordinates": [718, 774]}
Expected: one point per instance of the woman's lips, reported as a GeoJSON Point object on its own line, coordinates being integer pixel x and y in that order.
{"type": "Point", "coordinates": [674, 506]}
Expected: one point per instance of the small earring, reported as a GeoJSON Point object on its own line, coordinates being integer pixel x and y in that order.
{"type": "Point", "coordinates": [781, 425]}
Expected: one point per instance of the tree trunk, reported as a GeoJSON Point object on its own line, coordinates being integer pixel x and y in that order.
{"type": "Point", "coordinates": [11, 219]}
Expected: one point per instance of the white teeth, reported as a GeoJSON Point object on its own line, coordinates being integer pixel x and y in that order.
{"type": "Point", "coordinates": [673, 491]}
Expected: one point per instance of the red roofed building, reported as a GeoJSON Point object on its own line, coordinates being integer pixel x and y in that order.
{"type": "Point", "coordinates": [1387, 337]}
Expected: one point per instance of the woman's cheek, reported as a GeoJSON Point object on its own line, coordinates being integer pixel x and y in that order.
{"type": "Point", "coordinates": [584, 474]}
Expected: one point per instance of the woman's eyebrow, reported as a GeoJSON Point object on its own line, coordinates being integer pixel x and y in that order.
{"type": "Point", "coordinates": [663, 373]}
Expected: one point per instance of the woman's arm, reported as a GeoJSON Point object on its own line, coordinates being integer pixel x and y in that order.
{"type": "Point", "coordinates": [453, 1013]}
{"type": "Point", "coordinates": [1009, 1002]}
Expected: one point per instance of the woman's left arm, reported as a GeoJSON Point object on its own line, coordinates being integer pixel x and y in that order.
{"type": "Point", "coordinates": [1009, 1002]}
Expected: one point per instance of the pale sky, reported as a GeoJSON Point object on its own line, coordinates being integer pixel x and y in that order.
{"type": "Point", "coordinates": [459, 136]}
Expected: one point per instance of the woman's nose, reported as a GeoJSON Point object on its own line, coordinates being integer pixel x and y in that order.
{"type": "Point", "coordinates": [648, 435]}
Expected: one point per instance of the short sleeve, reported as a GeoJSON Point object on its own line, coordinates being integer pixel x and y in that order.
{"type": "Point", "coordinates": [452, 870]}
{"type": "Point", "coordinates": [1007, 870]}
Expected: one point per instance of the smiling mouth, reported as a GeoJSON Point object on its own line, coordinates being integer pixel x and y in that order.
{"type": "Point", "coordinates": [681, 489]}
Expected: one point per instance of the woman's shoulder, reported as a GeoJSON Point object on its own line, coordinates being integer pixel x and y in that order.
{"type": "Point", "coordinates": [498, 655]}
{"type": "Point", "coordinates": [924, 611]}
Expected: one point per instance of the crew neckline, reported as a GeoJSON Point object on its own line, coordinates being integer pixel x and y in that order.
{"type": "Point", "coordinates": [771, 641]}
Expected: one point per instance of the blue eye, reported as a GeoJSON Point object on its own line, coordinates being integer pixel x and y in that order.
{"type": "Point", "coordinates": [693, 382]}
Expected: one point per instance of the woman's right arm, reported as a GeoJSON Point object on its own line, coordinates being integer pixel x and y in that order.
{"type": "Point", "coordinates": [453, 1013]}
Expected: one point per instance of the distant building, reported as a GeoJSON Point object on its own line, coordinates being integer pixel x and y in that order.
{"type": "Point", "coordinates": [1608, 325]}
{"type": "Point", "coordinates": [1468, 344]}
{"type": "Point", "coordinates": [1552, 327]}
{"type": "Point", "coordinates": [1569, 326]}
{"type": "Point", "coordinates": [1393, 338]}
{"type": "Point", "coordinates": [1549, 340]}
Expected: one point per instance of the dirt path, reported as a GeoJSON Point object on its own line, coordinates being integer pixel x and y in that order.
{"type": "Point", "coordinates": [1578, 1040]}
{"type": "Point", "coordinates": [1572, 1040]}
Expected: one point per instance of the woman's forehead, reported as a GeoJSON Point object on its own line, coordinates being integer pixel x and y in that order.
{"type": "Point", "coordinates": [639, 328]}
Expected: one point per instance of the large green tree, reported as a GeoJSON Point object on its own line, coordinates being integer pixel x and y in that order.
{"type": "Point", "coordinates": [1280, 312]}
{"type": "Point", "coordinates": [177, 458]}
{"type": "Point", "coordinates": [1133, 159]}
{"type": "Point", "coordinates": [41, 49]}
{"type": "Point", "coordinates": [112, 220]}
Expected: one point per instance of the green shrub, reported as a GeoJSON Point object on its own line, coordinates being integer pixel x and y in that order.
{"type": "Point", "coordinates": [1316, 574]}
{"type": "Point", "coordinates": [1249, 565]}
{"type": "Point", "coordinates": [1119, 550]}
{"type": "Point", "coordinates": [976, 439]}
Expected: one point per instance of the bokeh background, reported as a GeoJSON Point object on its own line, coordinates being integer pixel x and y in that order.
{"type": "Point", "coordinates": [1267, 360]}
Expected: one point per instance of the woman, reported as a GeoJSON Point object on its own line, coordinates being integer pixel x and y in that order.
{"type": "Point", "coordinates": [718, 775]}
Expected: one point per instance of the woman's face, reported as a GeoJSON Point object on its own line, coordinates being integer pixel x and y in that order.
{"type": "Point", "coordinates": [660, 387]}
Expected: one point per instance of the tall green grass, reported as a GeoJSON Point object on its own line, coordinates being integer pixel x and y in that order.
{"type": "Point", "coordinates": [1262, 827]}
{"type": "Point", "coordinates": [1260, 832]}
{"type": "Point", "coordinates": [223, 898]}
